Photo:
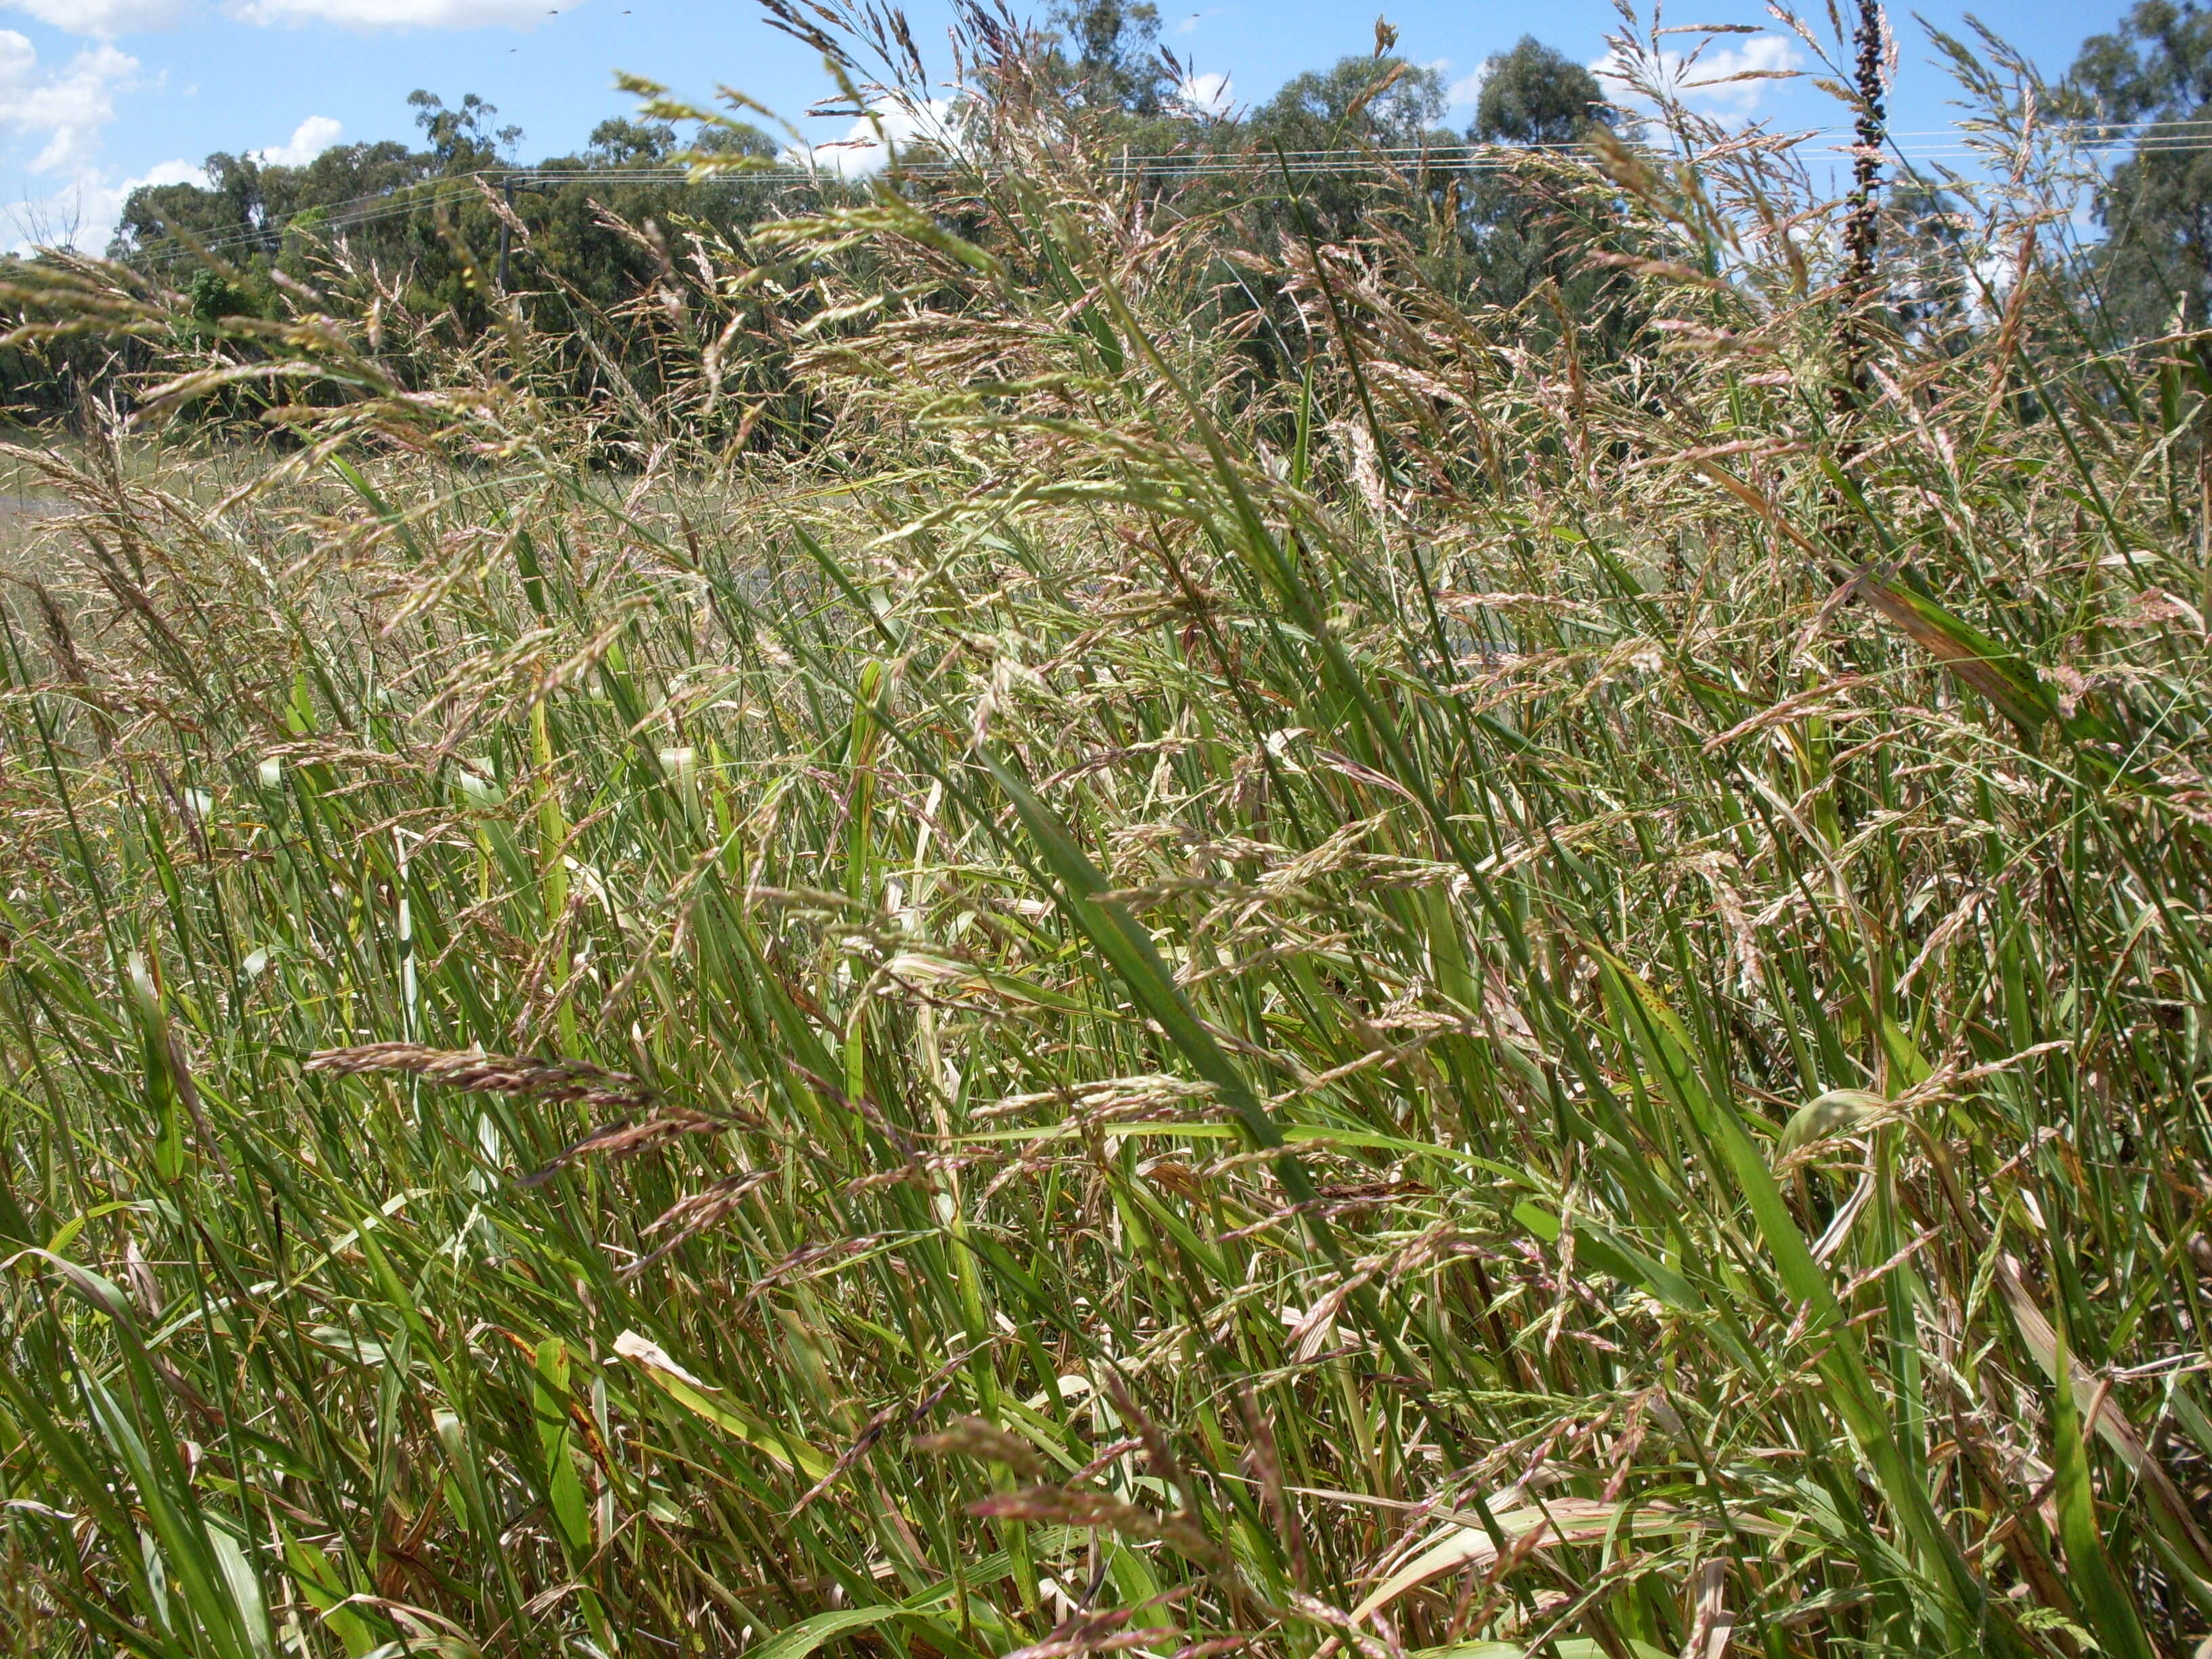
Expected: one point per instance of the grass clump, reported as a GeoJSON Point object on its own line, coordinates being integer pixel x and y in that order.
{"type": "Point", "coordinates": [1503, 999]}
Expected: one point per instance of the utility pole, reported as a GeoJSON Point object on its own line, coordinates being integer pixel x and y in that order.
{"type": "Point", "coordinates": [506, 230]}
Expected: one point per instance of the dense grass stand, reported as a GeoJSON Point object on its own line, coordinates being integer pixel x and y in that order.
{"type": "Point", "coordinates": [1231, 958]}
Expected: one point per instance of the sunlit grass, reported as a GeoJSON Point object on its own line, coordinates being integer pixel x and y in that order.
{"type": "Point", "coordinates": [1122, 1011]}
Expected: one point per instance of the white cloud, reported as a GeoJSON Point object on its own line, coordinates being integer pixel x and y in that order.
{"type": "Point", "coordinates": [309, 139]}
{"type": "Point", "coordinates": [166, 172]}
{"type": "Point", "coordinates": [99, 204]}
{"type": "Point", "coordinates": [1467, 91]}
{"type": "Point", "coordinates": [104, 18]}
{"type": "Point", "coordinates": [82, 213]}
{"type": "Point", "coordinates": [1708, 81]}
{"type": "Point", "coordinates": [65, 111]}
{"type": "Point", "coordinates": [397, 14]}
{"type": "Point", "coordinates": [1206, 95]}
{"type": "Point", "coordinates": [62, 115]}
{"type": "Point", "coordinates": [859, 153]}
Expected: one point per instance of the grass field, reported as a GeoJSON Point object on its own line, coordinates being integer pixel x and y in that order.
{"type": "Point", "coordinates": [1505, 999]}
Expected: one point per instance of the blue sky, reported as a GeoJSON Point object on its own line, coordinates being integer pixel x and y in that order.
{"type": "Point", "coordinates": [98, 94]}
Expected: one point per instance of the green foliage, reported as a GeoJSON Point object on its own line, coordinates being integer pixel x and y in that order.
{"type": "Point", "coordinates": [2156, 206]}
{"type": "Point", "coordinates": [1361, 104]}
{"type": "Point", "coordinates": [1387, 101]}
{"type": "Point", "coordinates": [1109, 54]}
{"type": "Point", "coordinates": [1536, 95]}
{"type": "Point", "coordinates": [462, 139]}
{"type": "Point", "coordinates": [619, 143]}
{"type": "Point", "coordinates": [590, 243]}
{"type": "Point", "coordinates": [1525, 233]}
{"type": "Point", "coordinates": [211, 297]}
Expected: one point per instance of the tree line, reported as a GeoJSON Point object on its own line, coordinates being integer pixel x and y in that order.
{"type": "Point", "coordinates": [583, 248]}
